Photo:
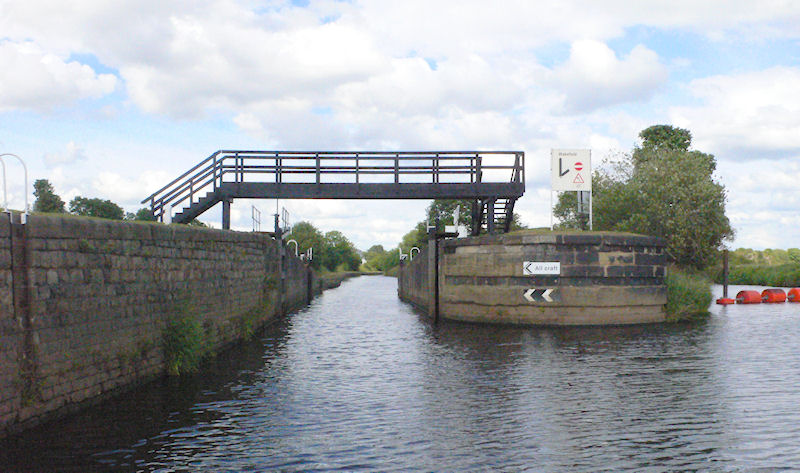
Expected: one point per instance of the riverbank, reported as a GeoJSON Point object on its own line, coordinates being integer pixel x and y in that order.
{"type": "Point", "coordinates": [783, 275]}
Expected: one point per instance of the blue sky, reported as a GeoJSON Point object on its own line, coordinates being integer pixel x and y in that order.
{"type": "Point", "coordinates": [114, 101]}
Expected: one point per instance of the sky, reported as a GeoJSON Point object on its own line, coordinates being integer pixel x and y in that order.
{"type": "Point", "coordinates": [115, 99]}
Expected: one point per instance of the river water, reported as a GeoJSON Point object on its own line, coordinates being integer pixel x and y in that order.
{"type": "Point", "coordinates": [358, 381]}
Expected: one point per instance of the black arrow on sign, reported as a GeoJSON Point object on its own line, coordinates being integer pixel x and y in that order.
{"type": "Point", "coordinates": [541, 295]}
{"type": "Point", "coordinates": [560, 172]}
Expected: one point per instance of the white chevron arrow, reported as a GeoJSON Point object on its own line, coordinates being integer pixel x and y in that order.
{"type": "Point", "coordinates": [535, 295]}
{"type": "Point", "coordinates": [527, 295]}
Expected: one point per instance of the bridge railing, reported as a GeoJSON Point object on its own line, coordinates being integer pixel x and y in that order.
{"type": "Point", "coordinates": [328, 167]}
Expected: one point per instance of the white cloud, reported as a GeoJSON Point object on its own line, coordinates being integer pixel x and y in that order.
{"type": "Point", "coordinates": [244, 64]}
{"type": "Point", "coordinates": [745, 112]}
{"type": "Point", "coordinates": [33, 79]}
{"type": "Point", "coordinates": [126, 191]}
{"type": "Point", "coordinates": [762, 201]}
{"type": "Point", "coordinates": [594, 77]}
{"type": "Point", "coordinates": [72, 154]}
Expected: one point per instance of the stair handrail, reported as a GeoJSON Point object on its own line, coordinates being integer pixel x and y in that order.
{"type": "Point", "coordinates": [154, 194]}
{"type": "Point", "coordinates": [198, 177]}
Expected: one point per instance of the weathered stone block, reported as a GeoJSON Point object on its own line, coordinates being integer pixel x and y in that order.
{"type": "Point", "coordinates": [615, 258]}
{"type": "Point", "coordinates": [583, 240]}
{"type": "Point", "coordinates": [650, 259]}
{"type": "Point", "coordinates": [629, 271]}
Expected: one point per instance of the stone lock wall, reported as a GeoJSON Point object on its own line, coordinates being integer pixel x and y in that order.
{"type": "Point", "coordinates": [99, 294]}
{"type": "Point", "coordinates": [603, 279]}
{"type": "Point", "coordinates": [412, 281]}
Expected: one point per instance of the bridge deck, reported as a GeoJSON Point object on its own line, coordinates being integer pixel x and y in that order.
{"type": "Point", "coordinates": [496, 177]}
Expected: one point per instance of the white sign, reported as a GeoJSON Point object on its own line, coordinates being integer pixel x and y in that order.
{"type": "Point", "coordinates": [571, 169]}
{"type": "Point", "coordinates": [533, 268]}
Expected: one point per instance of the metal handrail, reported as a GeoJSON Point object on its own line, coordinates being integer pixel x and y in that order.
{"type": "Point", "coordinates": [25, 170]}
{"type": "Point", "coordinates": [151, 196]}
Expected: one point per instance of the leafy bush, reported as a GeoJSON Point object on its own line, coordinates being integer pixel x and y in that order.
{"type": "Point", "coordinates": [688, 295]}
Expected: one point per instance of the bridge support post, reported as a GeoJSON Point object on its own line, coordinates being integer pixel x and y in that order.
{"type": "Point", "coordinates": [490, 216]}
{"type": "Point", "coordinates": [226, 213]}
{"type": "Point", "coordinates": [477, 216]}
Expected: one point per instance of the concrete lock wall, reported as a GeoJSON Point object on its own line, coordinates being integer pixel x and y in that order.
{"type": "Point", "coordinates": [91, 298]}
{"type": "Point", "coordinates": [602, 279]}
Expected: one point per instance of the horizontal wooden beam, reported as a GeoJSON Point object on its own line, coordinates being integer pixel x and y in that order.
{"type": "Point", "coordinates": [426, 191]}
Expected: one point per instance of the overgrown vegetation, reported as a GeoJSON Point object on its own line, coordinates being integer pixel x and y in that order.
{"type": "Point", "coordinates": [47, 201]}
{"type": "Point", "coordinates": [249, 322]}
{"type": "Point", "coordinates": [688, 295]}
{"type": "Point", "coordinates": [185, 343]}
{"type": "Point", "coordinates": [769, 267]}
{"type": "Point", "coordinates": [331, 251]}
{"type": "Point", "coordinates": [96, 207]}
{"type": "Point", "coordinates": [663, 189]}
{"type": "Point", "coordinates": [783, 275]}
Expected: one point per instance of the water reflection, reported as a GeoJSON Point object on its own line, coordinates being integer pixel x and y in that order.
{"type": "Point", "coordinates": [360, 382]}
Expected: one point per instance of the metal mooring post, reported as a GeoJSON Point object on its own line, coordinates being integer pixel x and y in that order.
{"type": "Point", "coordinates": [433, 273]}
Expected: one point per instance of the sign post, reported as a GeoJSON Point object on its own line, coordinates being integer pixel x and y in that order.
{"type": "Point", "coordinates": [571, 170]}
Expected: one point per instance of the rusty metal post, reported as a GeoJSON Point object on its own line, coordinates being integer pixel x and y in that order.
{"type": "Point", "coordinates": [725, 273]}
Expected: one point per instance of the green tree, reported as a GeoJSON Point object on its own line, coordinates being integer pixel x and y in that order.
{"type": "Point", "coordinates": [340, 254]}
{"type": "Point", "coordinates": [143, 215]}
{"type": "Point", "coordinates": [677, 198]}
{"type": "Point", "coordinates": [96, 208]}
{"type": "Point", "coordinates": [444, 209]}
{"type": "Point", "coordinates": [308, 236]}
{"type": "Point", "coordinates": [418, 236]}
{"type": "Point", "coordinates": [665, 137]}
{"type": "Point", "coordinates": [374, 251]}
{"type": "Point", "coordinates": [794, 255]}
{"type": "Point", "coordinates": [661, 189]}
{"type": "Point", "coordinates": [46, 198]}
{"type": "Point", "coordinates": [389, 260]}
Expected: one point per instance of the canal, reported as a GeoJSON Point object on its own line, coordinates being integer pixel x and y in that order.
{"type": "Point", "coordinates": [358, 381]}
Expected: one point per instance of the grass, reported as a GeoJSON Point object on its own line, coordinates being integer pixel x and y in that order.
{"type": "Point", "coordinates": [567, 231]}
{"type": "Point", "coordinates": [688, 295]}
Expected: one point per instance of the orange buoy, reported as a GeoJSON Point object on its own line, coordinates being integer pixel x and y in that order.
{"type": "Point", "coordinates": [794, 295]}
{"type": "Point", "coordinates": [725, 301]}
{"type": "Point", "coordinates": [748, 297]}
{"type": "Point", "coordinates": [772, 296]}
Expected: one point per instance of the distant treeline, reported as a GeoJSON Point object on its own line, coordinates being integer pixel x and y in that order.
{"type": "Point", "coordinates": [770, 267]}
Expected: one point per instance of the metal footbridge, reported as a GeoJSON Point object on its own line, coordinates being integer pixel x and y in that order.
{"type": "Point", "coordinates": [492, 180]}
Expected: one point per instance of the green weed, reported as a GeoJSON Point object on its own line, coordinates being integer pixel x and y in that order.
{"type": "Point", "coordinates": [688, 295]}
